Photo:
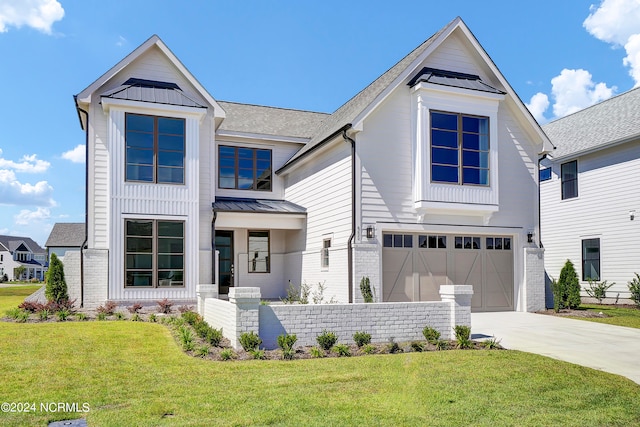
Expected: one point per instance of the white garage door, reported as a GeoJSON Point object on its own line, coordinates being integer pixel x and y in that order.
{"type": "Point", "coordinates": [416, 265]}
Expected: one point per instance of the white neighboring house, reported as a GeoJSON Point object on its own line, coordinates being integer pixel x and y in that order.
{"type": "Point", "coordinates": [427, 177]}
{"type": "Point", "coordinates": [590, 203]}
{"type": "Point", "coordinates": [18, 251]}
{"type": "Point", "coordinates": [65, 237]}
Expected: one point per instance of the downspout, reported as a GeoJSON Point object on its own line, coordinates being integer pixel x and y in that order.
{"type": "Point", "coordinates": [544, 156]}
{"type": "Point", "coordinates": [86, 199]}
{"type": "Point", "coordinates": [213, 247]}
{"type": "Point", "coordinates": [353, 210]}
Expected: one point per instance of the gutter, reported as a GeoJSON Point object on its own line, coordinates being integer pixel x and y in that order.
{"type": "Point", "coordinates": [353, 209]}
{"type": "Point", "coordinates": [86, 196]}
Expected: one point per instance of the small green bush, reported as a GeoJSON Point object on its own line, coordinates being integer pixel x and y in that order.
{"type": "Point", "coordinates": [153, 318]}
{"type": "Point", "coordinates": [634, 289]}
{"type": "Point", "coordinates": [442, 345]}
{"type": "Point", "coordinates": [44, 314]}
{"type": "Point", "coordinates": [186, 337]}
{"type": "Point", "coordinates": [136, 318]}
{"type": "Point", "coordinates": [258, 354]}
{"type": "Point", "coordinates": [361, 338]}
{"type": "Point", "coordinates": [463, 336]}
{"type": "Point", "coordinates": [227, 354]}
{"type": "Point", "coordinates": [81, 316]}
{"type": "Point", "coordinates": [23, 316]}
{"type": "Point", "coordinates": [327, 339]}
{"type": "Point", "coordinates": [598, 290]}
{"type": "Point", "coordinates": [417, 346]}
{"type": "Point", "coordinates": [365, 290]}
{"type": "Point", "coordinates": [316, 352]}
{"type": "Point", "coordinates": [101, 316]}
{"type": "Point", "coordinates": [119, 315]}
{"type": "Point", "coordinates": [214, 336]}
{"type": "Point", "coordinates": [368, 349]}
{"type": "Point", "coordinates": [342, 350]}
{"type": "Point", "coordinates": [431, 334]}
{"type": "Point", "coordinates": [56, 289]}
{"type": "Point", "coordinates": [393, 347]}
{"type": "Point", "coordinates": [286, 343]}
{"type": "Point", "coordinates": [13, 313]}
{"type": "Point", "coordinates": [202, 351]}
{"type": "Point", "coordinates": [250, 341]}
{"type": "Point", "coordinates": [191, 317]}
{"type": "Point", "coordinates": [491, 344]}
{"type": "Point", "coordinates": [63, 314]}
{"type": "Point", "coordinates": [569, 287]}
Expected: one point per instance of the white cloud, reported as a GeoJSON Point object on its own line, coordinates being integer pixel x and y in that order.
{"type": "Point", "coordinates": [538, 105]}
{"type": "Point", "coordinates": [618, 22]}
{"type": "Point", "coordinates": [571, 91]}
{"type": "Point", "coordinates": [37, 14]}
{"type": "Point", "coordinates": [13, 192]}
{"type": "Point", "coordinates": [77, 155]}
{"type": "Point", "coordinates": [121, 41]}
{"type": "Point", "coordinates": [27, 217]}
{"type": "Point", "coordinates": [574, 90]}
{"type": "Point", "coordinates": [29, 164]}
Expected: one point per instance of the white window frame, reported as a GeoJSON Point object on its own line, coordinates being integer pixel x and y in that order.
{"type": "Point", "coordinates": [324, 254]}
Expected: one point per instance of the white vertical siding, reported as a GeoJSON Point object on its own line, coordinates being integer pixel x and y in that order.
{"type": "Point", "coordinates": [607, 191]}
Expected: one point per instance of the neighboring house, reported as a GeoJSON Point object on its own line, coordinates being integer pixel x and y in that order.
{"type": "Point", "coordinates": [65, 237]}
{"type": "Point", "coordinates": [590, 203]}
{"type": "Point", "coordinates": [428, 176]}
{"type": "Point", "coordinates": [18, 251]}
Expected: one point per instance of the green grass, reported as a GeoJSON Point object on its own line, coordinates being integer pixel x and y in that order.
{"type": "Point", "coordinates": [13, 296]}
{"type": "Point", "coordinates": [133, 373]}
{"type": "Point", "coordinates": [619, 316]}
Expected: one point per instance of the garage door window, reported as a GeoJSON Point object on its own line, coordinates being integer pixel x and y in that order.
{"type": "Point", "coordinates": [498, 243]}
{"type": "Point", "coordinates": [432, 242]}
{"type": "Point", "coordinates": [467, 242]}
{"type": "Point", "coordinates": [397, 240]}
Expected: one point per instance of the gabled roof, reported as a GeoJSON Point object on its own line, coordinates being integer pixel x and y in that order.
{"type": "Point", "coordinates": [84, 97]}
{"type": "Point", "coordinates": [255, 119]}
{"type": "Point", "coordinates": [358, 107]}
{"type": "Point", "coordinates": [152, 91]}
{"type": "Point", "coordinates": [66, 234]}
{"type": "Point", "coordinates": [611, 122]}
{"type": "Point", "coordinates": [453, 79]}
{"type": "Point", "coordinates": [14, 242]}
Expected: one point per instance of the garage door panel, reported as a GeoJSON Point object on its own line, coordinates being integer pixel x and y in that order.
{"type": "Point", "coordinates": [498, 289]}
{"type": "Point", "coordinates": [468, 271]}
{"type": "Point", "coordinates": [397, 275]}
{"type": "Point", "coordinates": [432, 270]}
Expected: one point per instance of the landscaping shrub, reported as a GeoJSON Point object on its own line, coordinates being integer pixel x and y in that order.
{"type": "Point", "coordinates": [463, 336]}
{"type": "Point", "coordinates": [361, 338]}
{"type": "Point", "coordinates": [491, 344]}
{"type": "Point", "coordinates": [31, 307]}
{"type": "Point", "coordinates": [365, 290]}
{"type": "Point", "coordinates": [227, 354]}
{"type": "Point", "coordinates": [368, 349]}
{"type": "Point", "coordinates": [13, 313]}
{"type": "Point", "coordinates": [286, 343]}
{"type": "Point", "coordinates": [316, 352]}
{"type": "Point", "coordinates": [327, 339]}
{"type": "Point", "coordinates": [185, 309]}
{"type": "Point", "coordinates": [119, 315]}
{"type": "Point", "coordinates": [22, 317]}
{"type": "Point", "coordinates": [101, 316]}
{"type": "Point", "coordinates": [164, 306]}
{"type": "Point", "coordinates": [63, 314]}
{"type": "Point", "coordinates": [135, 308]}
{"type": "Point", "coordinates": [81, 316]}
{"type": "Point", "coordinates": [318, 295]}
{"type": "Point", "coordinates": [430, 334]}
{"type": "Point", "coordinates": [258, 354]}
{"type": "Point", "coordinates": [417, 346]}
{"type": "Point", "coordinates": [136, 318]}
{"type": "Point", "coordinates": [56, 289]}
{"type": "Point", "coordinates": [342, 350]}
{"type": "Point", "coordinates": [191, 317]}
{"type": "Point", "coordinates": [442, 345]}
{"type": "Point", "coordinates": [203, 351]}
{"type": "Point", "coordinates": [44, 314]}
{"type": "Point", "coordinates": [598, 290]}
{"type": "Point", "coordinates": [186, 338]}
{"type": "Point", "coordinates": [108, 308]}
{"type": "Point", "coordinates": [634, 288]}
{"type": "Point", "coordinates": [250, 341]}
{"type": "Point", "coordinates": [213, 336]}
{"type": "Point", "coordinates": [568, 287]}
{"type": "Point", "coordinates": [153, 318]}
{"type": "Point", "coordinates": [393, 346]}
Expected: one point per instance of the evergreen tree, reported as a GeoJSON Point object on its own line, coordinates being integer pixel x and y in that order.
{"type": "Point", "coordinates": [56, 289]}
{"type": "Point", "coordinates": [569, 287]}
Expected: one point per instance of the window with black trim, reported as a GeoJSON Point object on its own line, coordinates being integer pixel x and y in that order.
{"type": "Point", "coordinates": [397, 240]}
{"type": "Point", "coordinates": [591, 259]}
{"type": "Point", "coordinates": [259, 259]}
{"type": "Point", "coordinates": [467, 242]}
{"type": "Point", "coordinates": [459, 148]}
{"type": "Point", "coordinates": [155, 149]}
{"type": "Point", "coordinates": [154, 253]}
{"type": "Point", "coordinates": [324, 256]}
{"type": "Point", "coordinates": [569, 179]}
{"type": "Point", "coordinates": [432, 242]}
{"type": "Point", "coordinates": [241, 168]}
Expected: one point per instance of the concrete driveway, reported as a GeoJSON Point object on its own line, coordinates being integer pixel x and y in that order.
{"type": "Point", "coordinates": [613, 349]}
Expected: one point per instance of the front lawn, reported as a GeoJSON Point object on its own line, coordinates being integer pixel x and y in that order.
{"type": "Point", "coordinates": [13, 296]}
{"type": "Point", "coordinates": [132, 373]}
{"type": "Point", "coordinates": [620, 316]}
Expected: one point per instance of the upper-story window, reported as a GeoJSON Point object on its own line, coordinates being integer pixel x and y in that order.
{"type": "Point", "coordinates": [569, 179]}
{"type": "Point", "coordinates": [243, 168]}
{"type": "Point", "coordinates": [155, 149]}
{"type": "Point", "coordinates": [545, 174]}
{"type": "Point", "coordinates": [459, 148]}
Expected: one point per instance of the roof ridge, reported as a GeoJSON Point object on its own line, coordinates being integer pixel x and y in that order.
{"type": "Point", "coordinates": [273, 107]}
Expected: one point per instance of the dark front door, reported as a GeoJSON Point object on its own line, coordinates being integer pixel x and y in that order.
{"type": "Point", "coordinates": [224, 244]}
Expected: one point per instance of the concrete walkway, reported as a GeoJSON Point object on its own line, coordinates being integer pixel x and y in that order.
{"type": "Point", "coordinates": [608, 348]}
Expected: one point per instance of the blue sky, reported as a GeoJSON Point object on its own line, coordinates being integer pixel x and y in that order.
{"type": "Point", "coordinates": [558, 56]}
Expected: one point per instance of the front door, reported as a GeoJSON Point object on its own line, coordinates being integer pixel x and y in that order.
{"type": "Point", "coordinates": [224, 244]}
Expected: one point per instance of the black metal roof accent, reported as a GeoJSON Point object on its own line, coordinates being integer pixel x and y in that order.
{"type": "Point", "coordinates": [452, 79]}
{"type": "Point", "coordinates": [233, 204]}
{"type": "Point", "coordinates": [152, 91]}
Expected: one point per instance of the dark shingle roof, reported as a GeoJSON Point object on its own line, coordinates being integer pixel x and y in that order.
{"type": "Point", "coordinates": [612, 121]}
{"type": "Point", "coordinates": [270, 120]}
{"type": "Point", "coordinates": [13, 242]}
{"type": "Point", "coordinates": [66, 234]}
{"type": "Point", "coordinates": [453, 79]}
{"type": "Point", "coordinates": [232, 204]}
{"type": "Point", "coordinates": [152, 91]}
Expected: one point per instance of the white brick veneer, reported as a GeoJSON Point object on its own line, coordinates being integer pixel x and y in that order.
{"type": "Point", "coordinates": [534, 280]}
{"type": "Point", "coordinates": [96, 264]}
{"type": "Point", "coordinates": [367, 264]}
{"type": "Point", "coordinates": [402, 321]}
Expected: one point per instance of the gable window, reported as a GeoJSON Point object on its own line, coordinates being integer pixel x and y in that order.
{"type": "Point", "coordinates": [545, 174]}
{"type": "Point", "coordinates": [569, 179]}
{"type": "Point", "coordinates": [591, 259]}
{"type": "Point", "coordinates": [324, 262]}
{"type": "Point", "coordinates": [241, 168]}
{"type": "Point", "coordinates": [259, 259]}
{"type": "Point", "coordinates": [154, 253]}
{"type": "Point", "coordinates": [459, 149]}
{"type": "Point", "coordinates": [155, 149]}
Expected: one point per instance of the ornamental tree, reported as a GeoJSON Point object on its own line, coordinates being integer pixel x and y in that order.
{"type": "Point", "coordinates": [56, 289]}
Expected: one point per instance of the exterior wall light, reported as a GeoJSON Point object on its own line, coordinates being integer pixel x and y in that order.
{"type": "Point", "coordinates": [370, 232]}
{"type": "Point", "coordinates": [530, 237]}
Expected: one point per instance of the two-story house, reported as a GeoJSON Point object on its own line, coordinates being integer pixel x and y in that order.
{"type": "Point", "coordinates": [590, 206]}
{"type": "Point", "coordinates": [428, 176]}
{"type": "Point", "coordinates": [23, 252]}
